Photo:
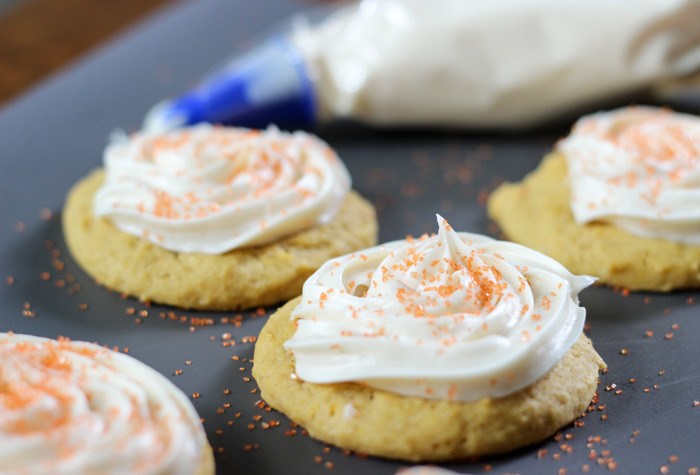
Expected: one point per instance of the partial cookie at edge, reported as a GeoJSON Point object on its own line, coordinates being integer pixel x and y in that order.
{"type": "Point", "coordinates": [537, 214]}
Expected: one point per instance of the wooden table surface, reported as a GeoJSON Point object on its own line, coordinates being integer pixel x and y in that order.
{"type": "Point", "coordinates": [38, 37]}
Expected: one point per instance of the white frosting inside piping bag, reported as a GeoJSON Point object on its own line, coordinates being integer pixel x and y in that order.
{"type": "Point", "coordinates": [497, 63]}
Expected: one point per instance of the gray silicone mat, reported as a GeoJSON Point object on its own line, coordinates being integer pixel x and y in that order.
{"type": "Point", "coordinates": [646, 418]}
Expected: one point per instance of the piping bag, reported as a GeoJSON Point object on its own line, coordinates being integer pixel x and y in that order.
{"type": "Point", "coordinates": [496, 64]}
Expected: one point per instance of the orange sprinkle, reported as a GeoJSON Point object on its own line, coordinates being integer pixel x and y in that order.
{"type": "Point", "coordinates": [452, 392]}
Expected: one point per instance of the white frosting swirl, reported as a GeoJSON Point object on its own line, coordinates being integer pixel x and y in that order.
{"type": "Point", "coordinates": [456, 316]}
{"type": "Point", "coordinates": [639, 169]}
{"type": "Point", "coordinates": [211, 189]}
{"type": "Point", "coordinates": [73, 407]}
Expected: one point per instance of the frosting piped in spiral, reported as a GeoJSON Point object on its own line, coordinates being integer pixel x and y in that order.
{"type": "Point", "coordinates": [211, 189]}
{"type": "Point", "coordinates": [454, 316]}
{"type": "Point", "coordinates": [637, 168]}
{"type": "Point", "coordinates": [71, 407]}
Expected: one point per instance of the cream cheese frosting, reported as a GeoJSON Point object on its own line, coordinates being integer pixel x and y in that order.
{"type": "Point", "coordinates": [211, 189]}
{"type": "Point", "coordinates": [637, 168]}
{"type": "Point", "coordinates": [454, 316]}
{"type": "Point", "coordinates": [71, 407]}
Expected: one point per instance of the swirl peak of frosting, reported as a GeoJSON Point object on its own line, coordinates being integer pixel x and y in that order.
{"type": "Point", "coordinates": [211, 189]}
{"type": "Point", "coordinates": [73, 407]}
{"type": "Point", "coordinates": [637, 168]}
{"type": "Point", "coordinates": [454, 316]}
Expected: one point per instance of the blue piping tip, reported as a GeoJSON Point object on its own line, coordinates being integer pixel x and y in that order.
{"type": "Point", "coordinates": [267, 85]}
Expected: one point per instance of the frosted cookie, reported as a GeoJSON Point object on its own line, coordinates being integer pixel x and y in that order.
{"type": "Point", "coordinates": [441, 348]}
{"type": "Point", "coordinates": [215, 218]}
{"type": "Point", "coordinates": [71, 407]}
{"type": "Point", "coordinates": [619, 198]}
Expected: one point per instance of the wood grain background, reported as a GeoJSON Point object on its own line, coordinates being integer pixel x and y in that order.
{"type": "Point", "coordinates": [38, 37]}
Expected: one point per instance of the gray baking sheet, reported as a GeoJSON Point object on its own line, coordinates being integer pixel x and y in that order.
{"type": "Point", "coordinates": [647, 419]}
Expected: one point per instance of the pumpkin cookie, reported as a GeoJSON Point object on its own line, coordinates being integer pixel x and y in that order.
{"type": "Point", "coordinates": [617, 199]}
{"type": "Point", "coordinates": [283, 205]}
{"type": "Point", "coordinates": [419, 366]}
{"type": "Point", "coordinates": [76, 407]}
